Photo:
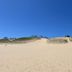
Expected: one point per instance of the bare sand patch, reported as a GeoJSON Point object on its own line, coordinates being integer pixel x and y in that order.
{"type": "Point", "coordinates": [37, 56]}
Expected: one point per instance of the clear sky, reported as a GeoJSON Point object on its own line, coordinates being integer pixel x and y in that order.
{"type": "Point", "coordinates": [35, 17]}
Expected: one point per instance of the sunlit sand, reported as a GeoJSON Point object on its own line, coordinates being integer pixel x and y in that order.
{"type": "Point", "coordinates": [37, 56]}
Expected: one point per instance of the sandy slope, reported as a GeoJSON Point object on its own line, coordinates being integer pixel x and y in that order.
{"type": "Point", "coordinates": [38, 56]}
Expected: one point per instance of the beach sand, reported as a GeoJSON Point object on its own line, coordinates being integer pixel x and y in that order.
{"type": "Point", "coordinates": [37, 56]}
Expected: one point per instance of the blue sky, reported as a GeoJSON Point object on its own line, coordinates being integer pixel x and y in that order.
{"type": "Point", "coordinates": [35, 17]}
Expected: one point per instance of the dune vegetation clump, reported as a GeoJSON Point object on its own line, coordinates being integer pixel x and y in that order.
{"type": "Point", "coordinates": [18, 40]}
{"type": "Point", "coordinates": [58, 41]}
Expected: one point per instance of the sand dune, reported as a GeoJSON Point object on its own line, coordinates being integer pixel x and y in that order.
{"type": "Point", "coordinates": [37, 56]}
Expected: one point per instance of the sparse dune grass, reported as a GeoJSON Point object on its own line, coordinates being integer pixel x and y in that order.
{"type": "Point", "coordinates": [70, 39]}
{"type": "Point", "coordinates": [19, 40]}
{"type": "Point", "coordinates": [58, 40]}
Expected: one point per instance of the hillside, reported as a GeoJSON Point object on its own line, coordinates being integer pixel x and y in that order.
{"type": "Point", "coordinates": [55, 40]}
{"type": "Point", "coordinates": [41, 55]}
{"type": "Point", "coordinates": [18, 40]}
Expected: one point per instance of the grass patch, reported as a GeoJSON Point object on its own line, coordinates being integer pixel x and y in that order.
{"type": "Point", "coordinates": [58, 41]}
{"type": "Point", "coordinates": [18, 40]}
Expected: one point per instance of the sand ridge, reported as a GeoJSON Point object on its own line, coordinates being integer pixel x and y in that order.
{"type": "Point", "coordinates": [37, 56]}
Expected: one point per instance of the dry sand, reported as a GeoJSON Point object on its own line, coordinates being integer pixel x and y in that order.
{"type": "Point", "coordinates": [38, 56]}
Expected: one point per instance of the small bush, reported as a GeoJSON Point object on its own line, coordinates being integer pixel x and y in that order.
{"type": "Point", "coordinates": [67, 36]}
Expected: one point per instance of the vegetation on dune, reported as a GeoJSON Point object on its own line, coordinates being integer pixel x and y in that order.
{"type": "Point", "coordinates": [67, 36]}
{"type": "Point", "coordinates": [28, 38]}
{"type": "Point", "coordinates": [35, 37]}
{"type": "Point", "coordinates": [58, 41]}
{"type": "Point", "coordinates": [17, 40]}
